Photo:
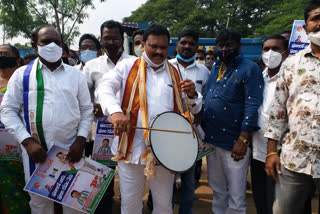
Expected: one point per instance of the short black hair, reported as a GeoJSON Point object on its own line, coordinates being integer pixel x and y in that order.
{"type": "Point", "coordinates": [73, 191]}
{"type": "Point", "coordinates": [34, 34]}
{"type": "Point", "coordinates": [30, 56]}
{"type": "Point", "coordinates": [228, 34]}
{"type": "Point", "coordinates": [285, 42]}
{"type": "Point", "coordinates": [14, 50]}
{"type": "Point", "coordinates": [156, 29]}
{"type": "Point", "coordinates": [59, 153]}
{"type": "Point", "coordinates": [106, 139]}
{"type": "Point", "coordinates": [286, 31]}
{"type": "Point", "coordinates": [110, 24]}
{"type": "Point", "coordinates": [92, 38]}
{"type": "Point", "coordinates": [137, 32]}
{"type": "Point", "coordinates": [313, 4]}
{"type": "Point", "coordinates": [189, 32]}
{"type": "Point", "coordinates": [201, 51]}
{"type": "Point", "coordinates": [211, 53]}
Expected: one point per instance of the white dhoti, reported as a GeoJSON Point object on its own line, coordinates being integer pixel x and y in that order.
{"type": "Point", "coordinates": [132, 184]}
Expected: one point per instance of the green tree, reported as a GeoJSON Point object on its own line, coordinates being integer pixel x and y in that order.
{"type": "Point", "coordinates": [282, 18]}
{"type": "Point", "coordinates": [20, 46]}
{"type": "Point", "coordinates": [22, 16]}
{"type": "Point", "coordinates": [205, 16]}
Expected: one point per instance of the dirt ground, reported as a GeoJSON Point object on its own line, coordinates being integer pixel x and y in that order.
{"type": "Point", "coordinates": [202, 204]}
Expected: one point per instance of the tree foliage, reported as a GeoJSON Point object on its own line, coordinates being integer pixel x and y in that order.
{"type": "Point", "coordinates": [250, 17]}
{"type": "Point", "coordinates": [21, 46]}
{"type": "Point", "coordinates": [283, 17]}
{"type": "Point", "coordinates": [22, 16]}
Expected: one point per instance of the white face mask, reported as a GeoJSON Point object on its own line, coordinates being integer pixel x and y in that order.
{"type": "Point", "coordinates": [138, 51]}
{"type": "Point", "coordinates": [51, 52]}
{"type": "Point", "coordinates": [315, 38]}
{"type": "Point", "coordinates": [272, 59]}
{"type": "Point", "coordinates": [202, 62]}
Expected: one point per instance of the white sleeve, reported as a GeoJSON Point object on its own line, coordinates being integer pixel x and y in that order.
{"type": "Point", "coordinates": [11, 106]}
{"type": "Point", "coordinates": [86, 108]}
{"type": "Point", "coordinates": [87, 73]}
{"type": "Point", "coordinates": [106, 92]}
{"type": "Point", "coordinates": [195, 105]}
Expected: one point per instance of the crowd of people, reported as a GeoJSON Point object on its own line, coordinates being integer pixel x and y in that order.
{"type": "Point", "coordinates": [262, 115]}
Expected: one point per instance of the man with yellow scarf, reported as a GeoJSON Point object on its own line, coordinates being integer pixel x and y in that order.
{"type": "Point", "coordinates": [148, 86]}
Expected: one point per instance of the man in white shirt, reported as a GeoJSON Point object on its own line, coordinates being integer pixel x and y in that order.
{"type": "Point", "coordinates": [112, 44]}
{"type": "Point", "coordinates": [274, 52]}
{"type": "Point", "coordinates": [90, 48]}
{"type": "Point", "coordinates": [160, 98]}
{"type": "Point", "coordinates": [66, 113]}
{"type": "Point", "coordinates": [185, 62]}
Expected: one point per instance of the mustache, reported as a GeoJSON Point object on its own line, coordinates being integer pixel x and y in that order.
{"type": "Point", "coordinates": [316, 30]}
{"type": "Point", "coordinates": [156, 54]}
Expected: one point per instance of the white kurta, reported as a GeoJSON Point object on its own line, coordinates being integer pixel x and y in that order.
{"type": "Point", "coordinates": [159, 99]}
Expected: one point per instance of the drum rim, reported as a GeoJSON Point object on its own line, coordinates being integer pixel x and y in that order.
{"type": "Point", "coordinates": [158, 115]}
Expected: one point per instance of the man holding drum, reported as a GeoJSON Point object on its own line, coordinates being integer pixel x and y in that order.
{"type": "Point", "coordinates": [148, 86]}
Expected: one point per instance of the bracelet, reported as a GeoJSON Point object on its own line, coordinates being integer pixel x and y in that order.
{"type": "Point", "coordinates": [243, 140]}
{"type": "Point", "coordinates": [272, 153]}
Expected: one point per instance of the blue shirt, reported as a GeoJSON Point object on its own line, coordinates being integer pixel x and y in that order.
{"type": "Point", "coordinates": [231, 104]}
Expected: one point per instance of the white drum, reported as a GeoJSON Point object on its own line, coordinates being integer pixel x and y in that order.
{"type": "Point", "coordinates": [175, 151]}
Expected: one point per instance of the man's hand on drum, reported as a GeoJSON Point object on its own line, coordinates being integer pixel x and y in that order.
{"type": "Point", "coordinates": [120, 123]}
{"type": "Point", "coordinates": [187, 86]}
{"type": "Point", "coordinates": [240, 147]}
{"type": "Point", "coordinates": [35, 150]}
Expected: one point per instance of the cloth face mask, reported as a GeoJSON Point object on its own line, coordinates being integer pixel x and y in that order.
{"type": "Point", "coordinates": [138, 50]}
{"type": "Point", "coordinates": [51, 52]}
{"type": "Point", "coordinates": [315, 38]}
{"type": "Point", "coordinates": [272, 59]}
{"type": "Point", "coordinates": [8, 62]}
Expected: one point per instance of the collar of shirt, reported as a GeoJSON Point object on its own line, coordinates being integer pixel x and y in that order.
{"type": "Point", "coordinates": [108, 60]}
{"type": "Point", "coordinates": [60, 67]}
{"type": "Point", "coordinates": [266, 76]}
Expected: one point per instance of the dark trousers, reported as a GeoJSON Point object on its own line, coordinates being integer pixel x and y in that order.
{"type": "Point", "coordinates": [263, 188]}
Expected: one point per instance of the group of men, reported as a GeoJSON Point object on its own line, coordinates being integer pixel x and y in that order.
{"type": "Point", "coordinates": [238, 107]}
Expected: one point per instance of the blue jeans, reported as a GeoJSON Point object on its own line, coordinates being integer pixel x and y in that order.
{"type": "Point", "coordinates": [187, 191]}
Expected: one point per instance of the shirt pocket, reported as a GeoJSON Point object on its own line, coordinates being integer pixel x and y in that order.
{"type": "Point", "coordinates": [166, 97]}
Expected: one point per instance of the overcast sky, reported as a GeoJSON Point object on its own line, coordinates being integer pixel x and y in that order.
{"type": "Point", "coordinates": [111, 9]}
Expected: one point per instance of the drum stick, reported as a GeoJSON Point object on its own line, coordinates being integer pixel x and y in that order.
{"type": "Point", "coordinates": [187, 103]}
{"type": "Point", "coordinates": [154, 129]}
{"type": "Point", "coordinates": [162, 130]}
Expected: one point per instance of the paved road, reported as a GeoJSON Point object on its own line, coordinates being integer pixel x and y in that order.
{"type": "Point", "coordinates": [202, 204]}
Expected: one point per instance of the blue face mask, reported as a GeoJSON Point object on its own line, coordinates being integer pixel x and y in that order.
{"type": "Point", "coordinates": [88, 55]}
{"type": "Point", "coordinates": [186, 60]}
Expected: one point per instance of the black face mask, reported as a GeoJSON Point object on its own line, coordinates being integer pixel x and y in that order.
{"type": "Point", "coordinates": [227, 56]}
{"type": "Point", "coordinates": [8, 62]}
